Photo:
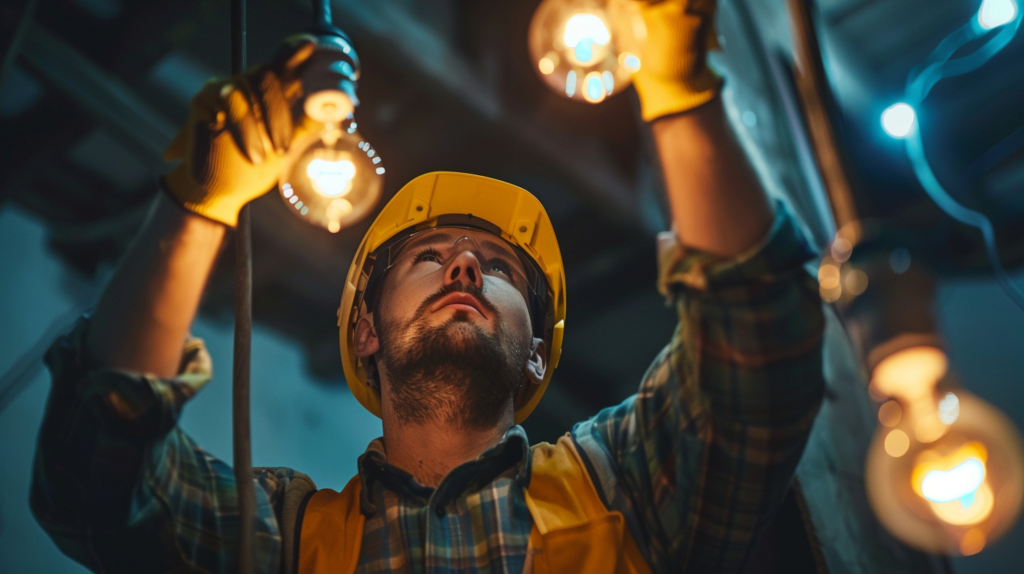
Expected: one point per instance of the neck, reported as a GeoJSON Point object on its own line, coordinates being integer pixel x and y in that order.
{"type": "Point", "coordinates": [429, 451]}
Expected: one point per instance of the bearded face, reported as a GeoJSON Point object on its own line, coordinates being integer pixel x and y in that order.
{"type": "Point", "coordinates": [453, 334]}
{"type": "Point", "coordinates": [455, 371]}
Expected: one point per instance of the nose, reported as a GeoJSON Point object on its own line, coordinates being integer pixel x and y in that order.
{"type": "Point", "coordinates": [464, 268]}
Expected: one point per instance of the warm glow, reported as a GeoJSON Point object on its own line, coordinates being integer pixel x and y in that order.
{"type": "Point", "coordinates": [570, 39]}
{"type": "Point", "coordinates": [828, 276]}
{"type": "Point", "coordinates": [855, 281]}
{"type": "Point", "coordinates": [841, 249]}
{"type": "Point", "coordinates": [897, 443]}
{"type": "Point", "coordinates": [955, 484]}
{"type": "Point", "coordinates": [960, 513]}
{"type": "Point", "coordinates": [331, 178]}
{"type": "Point", "coordinates": [957, 494]}
{"type": "Point", "coordinates": [585, 27]}
{"type": "Point", "coordinates": [630, 62]}
{"type": "Point", "coordinates": [972, 542]}
{"type": "Point", "coordinates": [890, 413]}
{"type": "Point", "coordinates": [911, 372]}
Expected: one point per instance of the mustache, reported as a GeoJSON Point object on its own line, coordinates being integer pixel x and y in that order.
{"type": "Point", "coordinates": [459, 287]}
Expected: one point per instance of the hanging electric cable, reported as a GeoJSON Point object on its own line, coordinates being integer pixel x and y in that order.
{"type": "Point", "coordinates": [940, 64]}
{"type": "Point", "coordinates": [330, 176]}
{"type": "Point", "coordinates": [241, 428]}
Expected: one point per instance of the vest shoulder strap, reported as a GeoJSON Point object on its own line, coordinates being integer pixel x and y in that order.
{"type": "Point", "coordinates": [332, 531]}
{"type": "Point", "coordinates": [573, 530]}
{"type": "Point", "coordinates": [561, 494]}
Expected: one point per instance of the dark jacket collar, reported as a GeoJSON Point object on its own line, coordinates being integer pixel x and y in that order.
{"type": "Point", "coordinates": [509, 452]}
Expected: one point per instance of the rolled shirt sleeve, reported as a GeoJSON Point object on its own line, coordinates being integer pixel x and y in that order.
{"type": "Point", "coordinates": [120, 488]}
{"type": "Point", "coordinates": [701, 456]}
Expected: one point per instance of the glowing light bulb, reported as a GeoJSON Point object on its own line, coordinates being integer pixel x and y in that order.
{"type": "Point", "coordinates": [587, 50]}
{"type": "Point", "coordinates": [945, 471]}
{"type": "Point", "coordinates": [899, 120]}
{"type": "Point", "coordinates": [995, 13]}
{"type": "Point", "coordinates": [332, 178]}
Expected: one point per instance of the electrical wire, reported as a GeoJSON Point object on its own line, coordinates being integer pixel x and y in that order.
{"type": "Point", "coordinates": [938, 66]}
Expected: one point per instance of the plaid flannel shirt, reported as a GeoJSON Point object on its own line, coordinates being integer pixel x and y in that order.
{"type": "Point", "coordinates": [696, 461]}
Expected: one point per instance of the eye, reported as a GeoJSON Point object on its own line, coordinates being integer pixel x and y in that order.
{"type": "Point", "coordinates": [428, 254]}
{"type": "Point", "coordinates": [500, 265]}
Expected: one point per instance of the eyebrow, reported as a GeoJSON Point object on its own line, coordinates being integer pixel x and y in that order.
{"type": "Point", "coordinates": [426, 240]}
{"type": "Point", "coordinates": [449, 238]}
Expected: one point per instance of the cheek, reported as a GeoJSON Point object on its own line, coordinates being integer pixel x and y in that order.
{"type": "Point", "coordinates": [401, 298]}
{"type": "Point", "coordinates": [512, 305]}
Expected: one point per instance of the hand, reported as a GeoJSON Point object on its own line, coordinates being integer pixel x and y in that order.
{"type": "Point", "coordinates": [674, 76]}
{"type": "Point", "coordinates": [236, 134]}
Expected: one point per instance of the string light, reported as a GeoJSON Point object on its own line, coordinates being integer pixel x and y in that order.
{"type": "Point", "coordinates": [945, 471]}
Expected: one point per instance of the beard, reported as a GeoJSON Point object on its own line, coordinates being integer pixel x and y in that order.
{"type": "Point", "coordinates": [456, 372]}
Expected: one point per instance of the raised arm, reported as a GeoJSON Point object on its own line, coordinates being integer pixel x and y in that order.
{"type": "Point", "coordinates": [145, 313]}
{"type": "Point", "coordinates": [699, 459]}
{"type": "Point", "coordinates": [115, 483]}
{"type": "Point", "coordinates": [718, 204]}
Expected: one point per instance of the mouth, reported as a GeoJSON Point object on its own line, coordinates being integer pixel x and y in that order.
{"type": "Point", "coordinates": [461, 302]}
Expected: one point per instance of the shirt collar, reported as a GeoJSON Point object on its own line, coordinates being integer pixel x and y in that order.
{"type": "Point", "coordinates": [509, 452]}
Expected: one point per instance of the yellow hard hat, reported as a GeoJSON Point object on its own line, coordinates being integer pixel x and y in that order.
{"type": "Point", "coordinates": [443, 199]}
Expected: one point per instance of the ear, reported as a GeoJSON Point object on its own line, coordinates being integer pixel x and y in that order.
{"type": "Point", "coordinates": [538, 363]}
{"type": "Point", "coordinates": [366, 341]}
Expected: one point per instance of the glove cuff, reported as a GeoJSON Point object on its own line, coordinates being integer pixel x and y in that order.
{"type": "Point", "coordinates": [196, 199]}
{"type": "Point", "coordinates": [661, 97]}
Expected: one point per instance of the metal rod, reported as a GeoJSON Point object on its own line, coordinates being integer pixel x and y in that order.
{"type": "Point", "coordinates": [819, 109]}
{"type": "Point", "coordinates": [242, 440]}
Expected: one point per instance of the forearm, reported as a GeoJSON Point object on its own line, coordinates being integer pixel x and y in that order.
{"type": "Point", "coordinates": [120, 489]}
{"type": "Point", "coordinates": [717, 202]}
{"type": "Point", "coordinates": [144, 315]}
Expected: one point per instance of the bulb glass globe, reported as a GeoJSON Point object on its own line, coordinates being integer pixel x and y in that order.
{"type": "Point", "coordinates": [586, 50]}
{"type": "Point", "coordinates": [332, 178]}
{"type": "Point", "coordinates": [953, 494]}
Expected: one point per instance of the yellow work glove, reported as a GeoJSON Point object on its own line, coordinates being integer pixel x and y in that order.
{"type": "Point", "coordinates": [237, 132]}
{"type": "Point", "coordinates": [674, 75]}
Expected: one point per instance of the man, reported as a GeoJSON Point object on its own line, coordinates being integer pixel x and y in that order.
{"type": "Point", "coordinates": [451, 322]}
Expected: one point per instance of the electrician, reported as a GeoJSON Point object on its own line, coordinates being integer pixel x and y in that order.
{"type": "Point", "coordinates": [451, 324]}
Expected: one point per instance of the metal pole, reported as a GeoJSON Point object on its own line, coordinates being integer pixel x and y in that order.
{"type": "Point", "coordinates": [242, 442]}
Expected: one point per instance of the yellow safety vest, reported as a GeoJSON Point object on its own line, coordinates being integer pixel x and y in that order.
{"type": "Point", "coordinates": [572, 529]}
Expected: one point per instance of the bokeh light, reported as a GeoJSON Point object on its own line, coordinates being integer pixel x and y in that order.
{"type": "Point", "coordinates": [899, 120]}
{"type": "Point", "coordinates": [995, 13]}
